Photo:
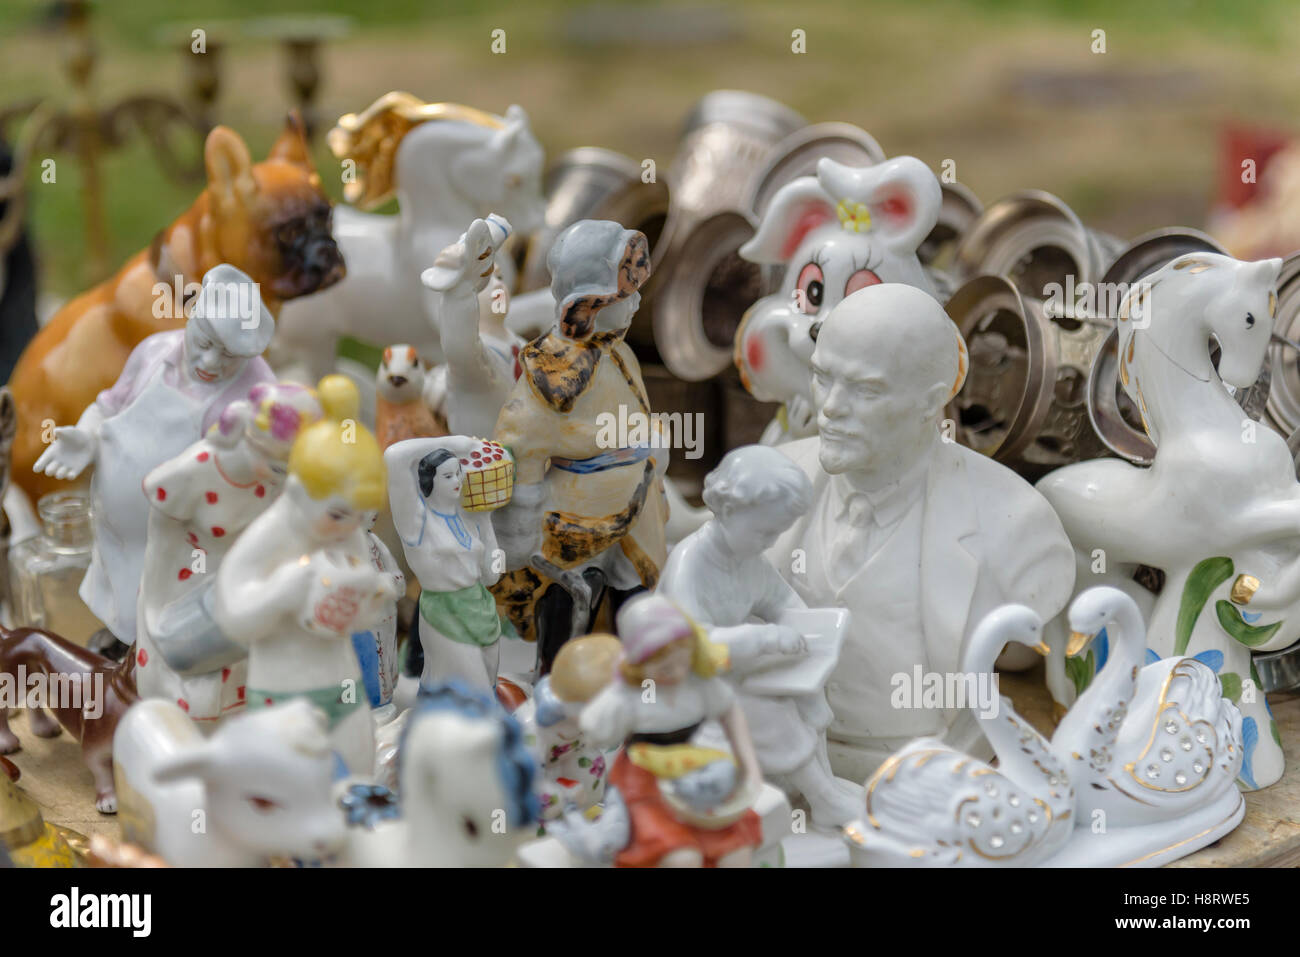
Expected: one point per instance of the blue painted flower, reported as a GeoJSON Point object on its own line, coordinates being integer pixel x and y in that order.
{"type": "Point", "coordinates": [365, 805]}
{"type": "Point", "coordinates": [1249, 738]}
{"type": "Point", "coordinates": [1211, 659]}
{"type": "Point", "coordinates": [1251, 616]}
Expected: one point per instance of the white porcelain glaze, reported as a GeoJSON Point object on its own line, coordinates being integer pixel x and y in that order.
{"type": "Point", "coordinates": [445, 171]}
{"type": "Point", "coordinates": [173, 387]}
{"type": "Point", "coordinates": [466, 792]}
{"type": "Point", "coordinates": [916, 536]}
{"type": "Point", "coordinates": [260, 786]}
{"type": "Point", "coordinates": [471, 302]}
{"type": "Point", "coordinates": [300, 579]}
{"type": "Point", "coordinates": [931, 805]}
{"type": "Point", "coordinates": [833, 233]}
{"type": "Point", "coordinates": [779, 653]}
{"type": "Point", "coordinates": [1219, 508]}
{"type": "Point", "coordinates": [451, 550]}
{"type": "Point", "coordinates": [201, 501]}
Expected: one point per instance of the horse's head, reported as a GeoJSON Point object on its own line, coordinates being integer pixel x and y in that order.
{"type": "Point", "coordinates": [466, 776]}
{"type": "Point", "coordinates": [1199, 296]}
{"type": "Point", "coordinates": [839, 231]}
{"type": "Point", "coordinates": [503, 173]}
{"type": "Point", "coordinates": [493, 163]}
{"type": "Point", "coordinates": [268, 776]}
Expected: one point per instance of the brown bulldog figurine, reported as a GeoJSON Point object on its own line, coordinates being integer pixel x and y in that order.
{"type": "Point", "coordinates": [86, 692]}
{"type": "Point", "coordinates": [270, 220]}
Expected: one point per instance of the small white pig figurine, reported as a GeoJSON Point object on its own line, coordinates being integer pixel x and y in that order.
{"type": "Point", "coordinates": [260, 786]}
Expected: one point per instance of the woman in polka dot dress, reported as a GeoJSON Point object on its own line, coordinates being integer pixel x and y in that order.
{"type": "Point", "coordinates": [200, 501]}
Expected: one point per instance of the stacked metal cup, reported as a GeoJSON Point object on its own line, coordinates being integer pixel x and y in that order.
{"type": "Point", "coordinates": [594, 183]}
{"type": "Point", "coordinates": [1114, 416]}
{"type": "Point", "coordinates": [1042, 390]}
{"type": "Point", "coordinates": [1283, 407]}
{"type": "Point", "coordinates": [1024, 398]}
{"type": "Point", "coordinates": [703, 286]}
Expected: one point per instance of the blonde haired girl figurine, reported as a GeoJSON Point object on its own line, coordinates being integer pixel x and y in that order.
{"type": "Point", "coordinates": [201, 501]}
{"type": "Point", "coordinates": [300, 579]}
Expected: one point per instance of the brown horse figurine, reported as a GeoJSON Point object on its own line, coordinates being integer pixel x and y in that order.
{"type": "Point", "coordinates": [87, 694]}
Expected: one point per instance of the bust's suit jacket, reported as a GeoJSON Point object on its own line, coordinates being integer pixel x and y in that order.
{"type": "Point", "coordinates": [987, 539]}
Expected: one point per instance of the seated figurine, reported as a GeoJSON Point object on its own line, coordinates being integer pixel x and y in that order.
{"type": "Point", "coordinates": [720, 577]}
{"type": "Point", "coordinates": [172, 389]}
{"type": "Point", "coordinates": [917, 536]}
{"type": "Point", "coordinates": [679, 804]}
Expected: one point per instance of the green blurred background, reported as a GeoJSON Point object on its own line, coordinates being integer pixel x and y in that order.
{"type": "Point", "coordinates": [1008, 89]}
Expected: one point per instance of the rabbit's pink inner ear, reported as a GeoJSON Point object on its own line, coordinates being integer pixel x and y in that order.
{"type": "Point", "coordinates": [810, 217]}
{"type": "Point", "coordinates": [897, 207]}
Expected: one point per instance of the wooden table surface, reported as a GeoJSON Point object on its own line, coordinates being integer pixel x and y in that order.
{"type": "Point", "coordinates": [1268, 837]}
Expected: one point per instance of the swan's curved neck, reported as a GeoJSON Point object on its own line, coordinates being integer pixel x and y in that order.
{"type": "Point", "coordinates": [1023, 754]}
{"type": "Point", "coordinates": [1082, 729]}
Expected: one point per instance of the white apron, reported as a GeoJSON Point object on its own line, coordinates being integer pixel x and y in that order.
{"type": "Point", "coordinates": [159, 424]}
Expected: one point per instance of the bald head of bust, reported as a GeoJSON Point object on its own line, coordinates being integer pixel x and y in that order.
{"type": "Point", "coordinates": [886, 363]}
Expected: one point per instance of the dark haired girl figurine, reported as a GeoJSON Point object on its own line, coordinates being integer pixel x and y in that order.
{"type": "Point", "coordinates": [452, 551]}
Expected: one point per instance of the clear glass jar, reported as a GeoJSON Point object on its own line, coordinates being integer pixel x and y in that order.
{"type": "Point", "coordinates": [45, 571]}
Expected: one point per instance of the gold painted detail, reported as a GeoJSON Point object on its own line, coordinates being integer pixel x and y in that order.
{"type": "Point", "coordinates": [1243, 589]}
{"type": "Point", "coordinates": [371, 139]}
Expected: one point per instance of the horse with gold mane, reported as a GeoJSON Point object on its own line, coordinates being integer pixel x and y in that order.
{"type": "Point", "coordinates": [447, 165]}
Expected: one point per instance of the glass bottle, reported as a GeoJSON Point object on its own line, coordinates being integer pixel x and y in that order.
{"type": "Point", "coordinates": [46, 570]}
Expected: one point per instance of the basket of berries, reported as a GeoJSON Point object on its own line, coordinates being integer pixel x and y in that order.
{"type": "Point", "coordinates": [489, 477]}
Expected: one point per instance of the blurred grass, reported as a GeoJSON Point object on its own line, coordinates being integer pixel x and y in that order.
{"type": "Point", "coordinates": [1009, 89]}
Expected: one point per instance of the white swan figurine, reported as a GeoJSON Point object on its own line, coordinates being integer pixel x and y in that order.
{"type": "Point", "coordinates": [1153, 750]}
{"type": "Point", "coordinates": [930, 805]}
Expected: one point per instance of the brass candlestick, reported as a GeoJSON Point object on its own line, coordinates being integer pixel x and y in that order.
{"type": "Point", "coordinates": [87, 130]}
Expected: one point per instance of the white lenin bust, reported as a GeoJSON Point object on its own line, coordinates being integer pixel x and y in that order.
{"type": "Point", "coordinates": [917, 536]}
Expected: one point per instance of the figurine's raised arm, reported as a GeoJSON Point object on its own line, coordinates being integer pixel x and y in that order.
{"type": "Point", "coordinates": [478, 376]}
{"type": "Point", "coordinates": [402, 460]}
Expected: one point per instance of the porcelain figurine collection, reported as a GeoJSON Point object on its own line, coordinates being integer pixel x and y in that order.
{"type": "Point", "coordinates": [809, 677]}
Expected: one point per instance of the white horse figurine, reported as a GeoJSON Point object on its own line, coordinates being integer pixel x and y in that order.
{"type": "Point", "coordinates": [835, 233]}
{"type": "Point", "coordinates": [466, 787]}
{"type": "Point", "coordinates": [447, 164]}
{"type": "Point", "coordinates": [260, 786]}
{"type": "Point", "coordinates": [1219, 509]}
